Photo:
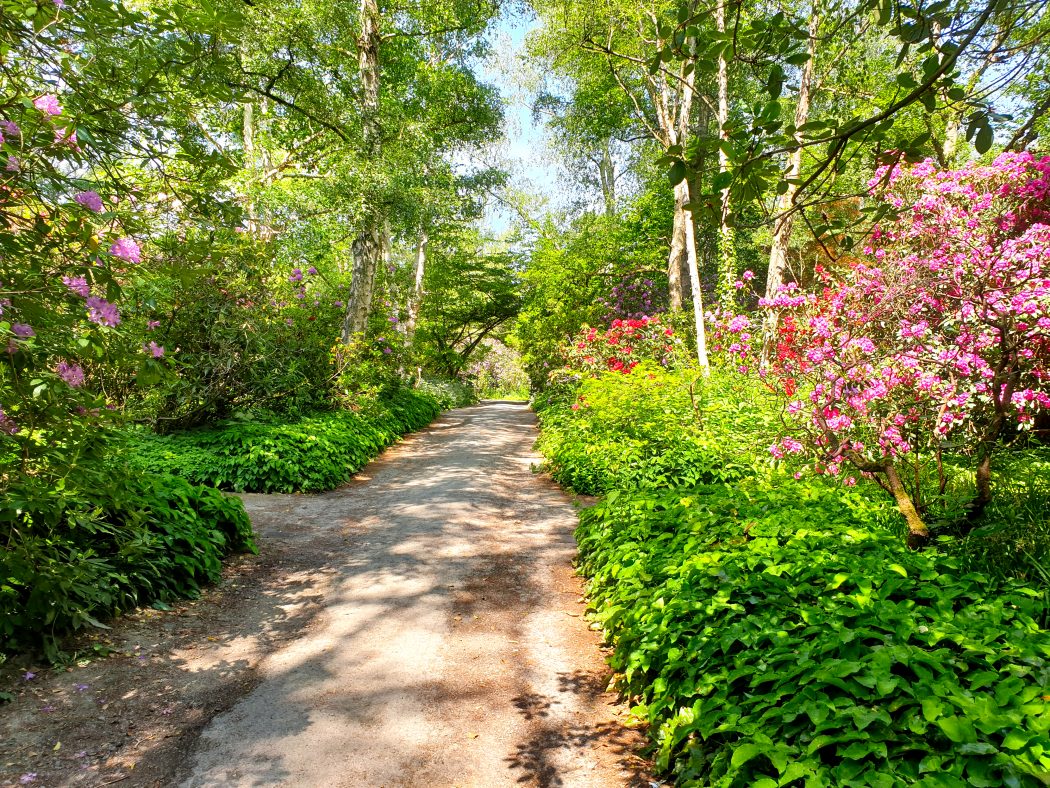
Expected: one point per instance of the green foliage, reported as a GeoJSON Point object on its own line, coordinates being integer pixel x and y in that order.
{"type": "Point", "coordinates": [779, 632]}
{"type": "Point", "coordinates": [571, 274]}
{"type": "Point", "coordinates": [106, 542]}
{"type": "Point", "coordinates": [448, 394]}
{"type": "Point", "coordinates": [315, 453]}
{"type": "Point", "coordinates": [774, 634]}
{"type": "Point", "coordinates": [651, 429]}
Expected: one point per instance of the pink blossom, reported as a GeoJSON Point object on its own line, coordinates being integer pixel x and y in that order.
{"type": "Point", "coordinates": [71, 374]}
{"type": "Point", "coordinates": [78, 285]}
{"type": "Point", "coordinates": [48, 104]}
{"type": "Point", "coordinates": [102, 312]}
{"type": "Point", "coordinates": [126, 249]}
{"type": "Point", "coordinates": [90, 200]}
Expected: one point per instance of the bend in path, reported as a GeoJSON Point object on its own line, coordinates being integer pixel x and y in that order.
{"type": "Point", "coordinates": [450, 648]}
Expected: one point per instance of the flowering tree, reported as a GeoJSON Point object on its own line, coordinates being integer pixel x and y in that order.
{"type": "Point", "coordinates": [941, 333]}
{"type": "Point", "coordinates": [624, 345]}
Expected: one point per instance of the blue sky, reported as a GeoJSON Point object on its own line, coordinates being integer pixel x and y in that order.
{"type": "Point", "coordinates": [524, 150]}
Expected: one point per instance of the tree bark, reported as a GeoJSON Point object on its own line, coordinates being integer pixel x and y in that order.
{"type": "Point", "coordinates": [677, 253]}
{"type": "Point", "coordinates": [694, 282]}
{"type": "Point", "coordinates": [918, 533]}
{"type": "Point", "coordinates": [415, 295]}
{"type": "Point", "coordinates": [778, 251]}
{"type": "Point", "coordinates": [726, 234]}
{"type": "Point", "coordinates": [368, 246]}
{"type": "Point", "coordinates": [607, 173]}
{"type": "Point", "coordinates": [677, 132]}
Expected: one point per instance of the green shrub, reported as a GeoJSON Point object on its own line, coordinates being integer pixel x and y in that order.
{"type": "Point", "coordinates": [652, 429]}
{"type": "Point", "coordinates": [312, 454]}
{"type": "Point", "coordinates": [449, 394]}
{"type": "Point", "coordinates": [775, 635]}
{"type": "Point", "coordinates": [103, 543]}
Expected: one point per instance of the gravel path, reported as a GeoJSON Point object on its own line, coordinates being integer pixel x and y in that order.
{"type": "Point", "coordinates": [448, 648]}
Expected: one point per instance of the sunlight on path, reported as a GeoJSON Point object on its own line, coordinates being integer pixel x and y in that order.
{"type": "Point", "coordinates": [450, 649]}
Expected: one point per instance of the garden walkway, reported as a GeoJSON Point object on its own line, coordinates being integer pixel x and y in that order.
{"type": "Point", "coordinates": [447, 646]}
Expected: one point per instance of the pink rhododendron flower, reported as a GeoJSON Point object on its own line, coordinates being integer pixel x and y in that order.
{"type": "Point", "coordinates": [71, 374]}
{"type": "Point", "coordinates": [126, 249]}
{"type": "Point", "coordinates": [102, 312]}
{"type": "Point", "coordinates": [48, 104]}
{"type": "Point", "coordinates": [90, 200]}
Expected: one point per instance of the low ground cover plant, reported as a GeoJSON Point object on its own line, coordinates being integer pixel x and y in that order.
{"type": "Point", "coordinates": [772, 630]}
{"type": "Point", "coordinates": [312, 454]}
{"type": "Point", "coordinates": [774, 634]}
{"type": "Point", "coordinates": [651, 428]}
{"type": "Point", "coordinates": [107, 542]}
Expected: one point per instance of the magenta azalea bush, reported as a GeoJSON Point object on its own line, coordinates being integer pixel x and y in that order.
{"type": "Point", "coordinates": [939, 338]}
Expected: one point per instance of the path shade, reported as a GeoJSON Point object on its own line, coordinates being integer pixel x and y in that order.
{"type": "Point", "coordinates": [450, 648]}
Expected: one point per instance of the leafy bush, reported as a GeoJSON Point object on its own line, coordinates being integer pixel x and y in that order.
{"type": "Point", "coordinates": [449, 393]}
{"type": "Point", "coordinates": [651, 429]}
{"type": "Point", "coordinates": [774, 634]}
{"type": "Point", "coordinates": [779, 632]}
{"type": "Point", "coordinates": [312, 454]}
{"type": "Point", "coordinates": [108, 543]}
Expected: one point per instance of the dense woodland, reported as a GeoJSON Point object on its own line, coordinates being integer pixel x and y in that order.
{"type": "Point", "coordinates": [789, 317]}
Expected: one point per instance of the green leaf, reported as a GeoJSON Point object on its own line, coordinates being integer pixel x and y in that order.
{"type": "Point", "coordinates": [745, 752]}
{"type": "Point", "coordinates": [958, 729]}
{"type": "Point", "coordinates": [983, 142]}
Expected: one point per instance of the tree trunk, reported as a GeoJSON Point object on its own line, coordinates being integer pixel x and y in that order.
{"type": "Point", "coordinates": [918, 533]}
{"type": "Point", "coordinates": [726, 234]}
{"type": "Point", "coordinates": [367, 249]}
{"type": "Point", "coordinates": [683, 235]}
{"type": "Point", "coordinates": [368, 246]}
{"type": "Point", "coordinates": [694, 282]}
{"type": "Point", "coordinates": [415, 295]}
{"type": "Point", "coordinates": [677, 255]}
{"type": "Point", "coordinates": [607, 173]}
{"type": "Point", "coordinates": [778, 251]}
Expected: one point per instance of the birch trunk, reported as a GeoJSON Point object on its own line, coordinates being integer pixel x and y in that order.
{"type": "Point", "coordinates": [678, 248]}
{"type": "Point", "coordinates": [607, 172]}
{"type": "Point", "coordinates": [676, 131]}
{"type": "Point", "coordinates": [415, 296]}
{"type": "Point", "coordinates": [694, 282]}
{"type": "Point", "coordinates": [726, 234]}
{"type": "Point", "coordinates": [368, 246]}
{"type": "Point", "coordinates": [782, 227]}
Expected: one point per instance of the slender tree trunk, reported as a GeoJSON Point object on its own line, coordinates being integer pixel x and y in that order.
{"type": "Point", "coordinates": [778, 250]}
{"type": "Point", "coordinates": [678, 247]}
{"type": "Point", "coordinates": [607, 172]}
{"type": "Point", "coordinates": [694, 282]}
{"type": "Point", "coordinates": [726, 233]}
{"type": "Point", "coordinates": [918, 533]}
{"type": "Point", "coordinates": [415, 296]}
{"type": "Point", "coordinates": [677, 133]}
{"type": "Point", "coordinates": [368, 246]}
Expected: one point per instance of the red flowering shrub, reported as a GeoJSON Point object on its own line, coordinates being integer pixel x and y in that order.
{"type": "Point", "coordinates": [624, 345]}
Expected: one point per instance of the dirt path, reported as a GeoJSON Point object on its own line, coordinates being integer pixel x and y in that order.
{"type": "Point", "coordinates": [418, 627]}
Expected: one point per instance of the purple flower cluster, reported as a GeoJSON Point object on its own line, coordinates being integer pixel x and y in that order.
{"type": "Point", "coordinates": [48, 104]}
{"type": "Point", "coordinates": [102, 312]}
{"type": "Point", "coordinates": [71, 374]}
{"type": "Point", "coordinates": [126, 249]}
{"type": "Point", "coordinates": [78, 285]}
{"type": "Point", "coordinates": [90, 200]}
